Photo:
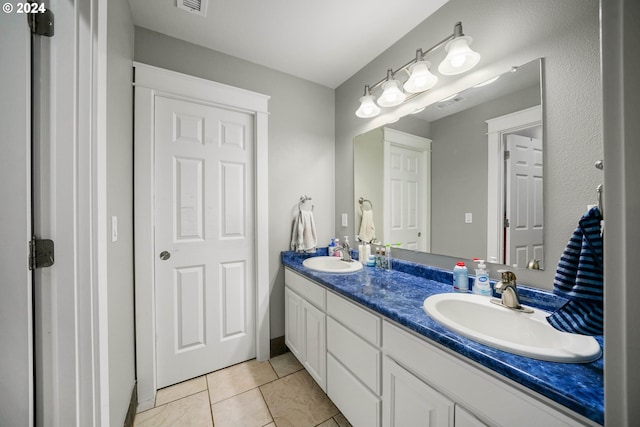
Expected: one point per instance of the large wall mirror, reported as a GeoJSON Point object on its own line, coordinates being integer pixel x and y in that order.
{"type": "Point", "coordinates": [462, 177]}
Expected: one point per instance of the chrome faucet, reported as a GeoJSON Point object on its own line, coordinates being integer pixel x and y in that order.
{"type": "Point", "coordinates": [509, 290]}
{"type": "Point", "coordinates": [344, 248]}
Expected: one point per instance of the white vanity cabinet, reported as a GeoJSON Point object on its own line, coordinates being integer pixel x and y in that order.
{"type": "Point", "coordinates": [305, 324]}
{"type": "Point", "coordinates": [480, 397]}
{"type": "Point", "coordinates": [381, 375]}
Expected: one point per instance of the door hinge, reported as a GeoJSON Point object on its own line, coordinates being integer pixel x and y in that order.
{"type": "Point", "coordinates": [506, 223]}
{"type": "Point", "coordinates": [507, 154]}
{"type": "Point", "coordinates": [40, 253]}
{"type": "Point", "coordinates": [40, 20]}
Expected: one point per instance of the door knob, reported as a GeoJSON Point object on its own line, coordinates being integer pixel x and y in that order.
{"type": "Point", "coordinates": [165, 255]}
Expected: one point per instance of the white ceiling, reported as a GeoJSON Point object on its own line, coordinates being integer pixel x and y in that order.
{"type": "Point", "coordinates": [323, 41]}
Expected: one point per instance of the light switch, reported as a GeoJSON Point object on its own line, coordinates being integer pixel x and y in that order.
{"type": "Point", "coordinates": [345, 220]}
{"type": "Point", "coordinates": [468, 218]}
{"type": "Point", "coordinates": [114, 229]}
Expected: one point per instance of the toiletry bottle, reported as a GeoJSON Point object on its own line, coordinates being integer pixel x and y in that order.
{"type": "Point", "coordinates": [388, 262]}
{"type": "Point", "coordinates": [481, 285]}
{"type": "Point", "coordinates": [371, 261]}
{"type": "Point", "coordinates": [460, 278]}
{"type": "Point", "coordinates": [336, 253]}
{"type": "Point", "coordinates": [378, 259]}
{"type": "Point", "coordinates": [332, 247]}
{"type": "Point", "coordinates": [383, 258]}
{"type": "Point", "coordinates": [362, 256]}
{"type": "Point", "coordinates": [347, 245]}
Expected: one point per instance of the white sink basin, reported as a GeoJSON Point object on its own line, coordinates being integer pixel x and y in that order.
{"type": "Point", "coordinates": [331, 264]}
{"type": "Point", "coordinates": [526, 334]}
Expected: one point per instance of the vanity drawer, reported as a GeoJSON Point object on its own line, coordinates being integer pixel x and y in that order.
{"type": "Point", "coordinates": [314, 294]}
{"type": "Point", "coordinates": [359, 320]}
{"type": "Point", "coordinates": [358, 356]}
{"type": "Point", "coordinates": [355, 401]}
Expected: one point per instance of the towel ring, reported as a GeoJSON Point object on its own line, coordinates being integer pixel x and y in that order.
{"type": "Point", "coordinates": [302, 203]}
{"type": "Point", "coordinates": [362, 202]}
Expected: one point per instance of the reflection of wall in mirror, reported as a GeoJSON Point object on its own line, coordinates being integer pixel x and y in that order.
{"type": "Point", "coordinates": [459, 174]}
{"type": "Point", "coordinates": [367, 168]}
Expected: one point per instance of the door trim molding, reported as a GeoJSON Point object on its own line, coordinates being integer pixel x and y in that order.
{"type": "Point", "coordinates": [149, 82]}
{"type": "Point", "coordinates": [496, 129]}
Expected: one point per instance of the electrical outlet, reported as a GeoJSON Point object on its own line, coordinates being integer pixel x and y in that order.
{"type": "Point", "coordinates": [468, 218]}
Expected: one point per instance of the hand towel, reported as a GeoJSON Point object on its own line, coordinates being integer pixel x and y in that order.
{"type": "Point", "coordinates": [579, 278]}
{"type": "Point", "coordinates": [303, 236]}
{"type": "Point", "coordinates": [367, 228]}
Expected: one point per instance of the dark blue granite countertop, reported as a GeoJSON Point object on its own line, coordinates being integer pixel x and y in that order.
{"type": "Point", "coordinates": [399, 294]}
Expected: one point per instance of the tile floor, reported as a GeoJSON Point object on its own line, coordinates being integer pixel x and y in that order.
{"type": "Point", "coordinates": [277, 393]}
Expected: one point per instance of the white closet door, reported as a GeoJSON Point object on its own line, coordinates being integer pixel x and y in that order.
{"type": "Point", "coordinates": [524, 201]}
{"type": "Point", "coordinates": [204, 239]}
{"type": "Point", "coordinates": [406, 187]}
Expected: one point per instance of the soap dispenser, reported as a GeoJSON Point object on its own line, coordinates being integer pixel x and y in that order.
{"type": "Point", "coordinates": [481, 284]}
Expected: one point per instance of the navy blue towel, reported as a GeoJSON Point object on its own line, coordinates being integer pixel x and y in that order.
{"type": "Point", "coordinates": [579, 278]}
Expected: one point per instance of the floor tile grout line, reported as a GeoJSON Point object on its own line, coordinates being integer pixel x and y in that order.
{"type": "Point", "coordinates": [273, 420]}
{"type": "Point", "coordinates": [206, 379]}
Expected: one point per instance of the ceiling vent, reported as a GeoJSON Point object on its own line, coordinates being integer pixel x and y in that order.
{"type": "Point", "coordinates": [448, 103]}
{"type": "Point", "coordinates": [198, 7]}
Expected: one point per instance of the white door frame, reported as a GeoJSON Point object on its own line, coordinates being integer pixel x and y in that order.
{"type": "Point", "coordinates": [70, 208]}
{"type": "Point", "coordinates": [496, 129]}
{"type": "Point", "coordinates": [149, 82]}
{"type": "Point", "coordinates": [16, 311]}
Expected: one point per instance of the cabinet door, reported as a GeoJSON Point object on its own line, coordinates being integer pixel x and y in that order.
{"type": "Point", "coordinates": [292, 322]}
{"type": "Point", "coordinates": [465, 418]}
{"type": "Point", "coordinates": [314, 353]}
{"type": "Point", "coordinates": [408, 402]}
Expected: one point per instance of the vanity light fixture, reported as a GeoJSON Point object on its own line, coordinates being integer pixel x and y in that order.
{"type": "Point", "coordinates": [368, 107]}
{"type": "Point", "coordinates": [420, 78]}
{"type": "Point", "coordinates": [392, 95]}
{"type": "Point", "coordinates": [460, 58]}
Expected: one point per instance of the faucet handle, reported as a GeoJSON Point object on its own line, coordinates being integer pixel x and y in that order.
{"type": "Point", "coordinates": [508, 276]}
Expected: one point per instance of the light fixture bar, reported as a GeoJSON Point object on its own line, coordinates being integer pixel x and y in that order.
{"type": "Point", "coordinates": [421, 54]}
{"type": "Point", "coordinates": [457, 32]}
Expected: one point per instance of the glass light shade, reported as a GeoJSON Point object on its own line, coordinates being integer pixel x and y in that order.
{"type": "Point", "coordinates": [391, 95]}
{"type": "Point", "coordinates": [460, 57]}
{"type": "Point", "coordinates": [368, 107]}
{"type": "Point", "coordinates": [421, 78]}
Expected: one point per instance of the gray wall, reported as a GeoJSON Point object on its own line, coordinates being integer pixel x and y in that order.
{"type": "Point", "coordinates": [119, 111]}
{"type": "Point", "coordinates": [507, 33]}
{"type": "Point", "coordinates": [301, 140]}
{"type": "Point", "coordinates": [458, 174]}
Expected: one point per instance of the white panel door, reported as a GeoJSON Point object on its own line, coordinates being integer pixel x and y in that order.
{"type": "Point", "coordinates": [16, 328]}
{"type": "Point", "coordinates": [204, 239]}
{"type": "Point", "coordinates": [405, 189]}
{"type": "Point", "coordinates": [524, 201]}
